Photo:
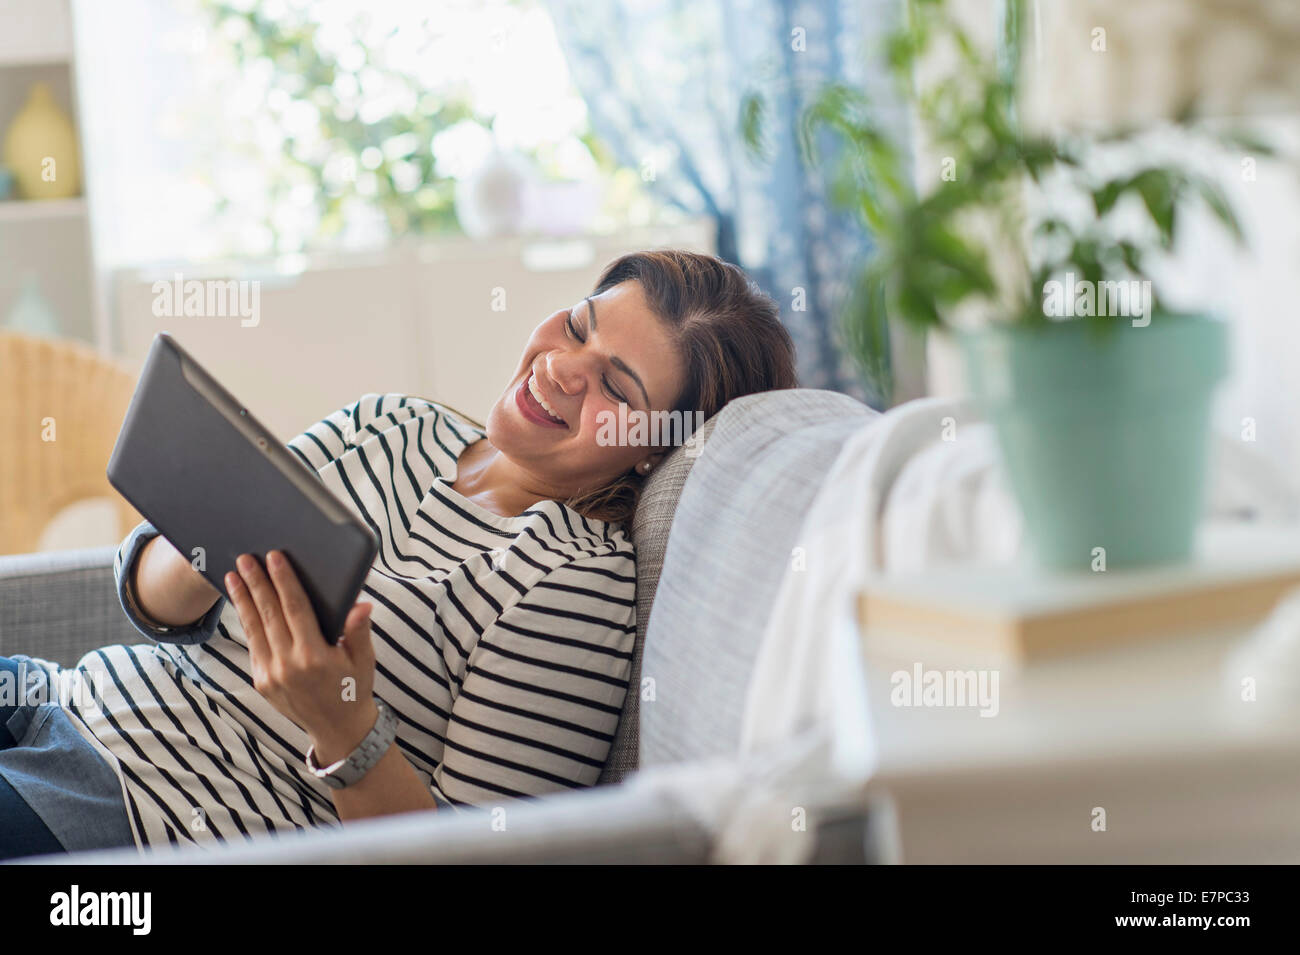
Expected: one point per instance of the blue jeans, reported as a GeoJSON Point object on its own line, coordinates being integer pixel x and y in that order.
{"type": "Point", "coordinates": [57, 794]}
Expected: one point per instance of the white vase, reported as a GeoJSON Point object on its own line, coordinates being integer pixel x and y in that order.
{"type": "Point", "coordinates": [492, 200]}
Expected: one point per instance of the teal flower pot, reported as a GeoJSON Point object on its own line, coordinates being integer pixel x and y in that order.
{"type": "Point", "coordinates": [1104, 432]}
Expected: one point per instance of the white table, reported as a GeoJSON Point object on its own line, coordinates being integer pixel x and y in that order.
{"type": "Point", "coordinates": [1156, 735]}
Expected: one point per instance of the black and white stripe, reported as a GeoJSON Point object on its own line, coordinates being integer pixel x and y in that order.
{"type": "Point", "coordinates": [503, 645]}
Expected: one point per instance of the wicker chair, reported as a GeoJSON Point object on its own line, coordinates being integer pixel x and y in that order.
{"type": "Point", "coordinates": [61, 407]}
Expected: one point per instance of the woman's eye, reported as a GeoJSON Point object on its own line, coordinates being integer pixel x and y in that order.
{"type": "Point", "coordinates": [571, 328]}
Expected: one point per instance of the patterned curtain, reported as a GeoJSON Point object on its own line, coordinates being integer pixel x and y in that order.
{"type": "Point", "coordinates": [664, 81]}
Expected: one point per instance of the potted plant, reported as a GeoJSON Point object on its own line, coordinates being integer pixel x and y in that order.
{"type": "Point", "coordinates": [1033, 252]}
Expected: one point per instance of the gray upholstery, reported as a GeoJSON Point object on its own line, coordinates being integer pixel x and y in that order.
{"type": "Point", "coordinates": [654, 517]}
{"type": "Point", "coordinates": [733, 533]}
{"type": "Point", "coordinates": [601, 825]}
{"type": "Point", "coordinates": [713, 536]}
{"type": "Point", "coordinates": [61, 604]}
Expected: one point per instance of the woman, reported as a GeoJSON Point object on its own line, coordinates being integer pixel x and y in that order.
{"type": "Point", "coordinates": [494, 640]}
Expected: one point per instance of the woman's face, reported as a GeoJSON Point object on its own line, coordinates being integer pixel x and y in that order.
{"type": "Point", "coordinates": [585, 359]}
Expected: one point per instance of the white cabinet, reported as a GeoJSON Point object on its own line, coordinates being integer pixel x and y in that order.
{"type": "Point", "coordinates": [417, 319]}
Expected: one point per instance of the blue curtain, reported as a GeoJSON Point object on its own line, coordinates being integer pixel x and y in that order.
{"type": "Point", "coordinates": [664, 80]}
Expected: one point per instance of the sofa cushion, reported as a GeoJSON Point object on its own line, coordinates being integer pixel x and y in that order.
{"type": "Point", "coordinates": [732, 538]}
{"type": "Point", "coordinates": [60, 605]}
{"type": "Point", "coordinates": [650, 525]}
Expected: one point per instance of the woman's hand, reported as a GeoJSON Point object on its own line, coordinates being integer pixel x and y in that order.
{"type": "Point", "coordinates": [327, 690]}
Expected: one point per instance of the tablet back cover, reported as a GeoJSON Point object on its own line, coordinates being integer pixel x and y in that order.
{"type": "Point", "coordinates": [217, 484]}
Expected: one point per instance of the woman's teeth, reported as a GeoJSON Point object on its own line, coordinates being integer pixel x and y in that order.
{"type": "Point", "coordinates": [532, 389]}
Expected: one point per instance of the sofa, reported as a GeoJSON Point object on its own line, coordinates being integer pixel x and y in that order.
{"type": "Point", "coordinates": [714, 534]}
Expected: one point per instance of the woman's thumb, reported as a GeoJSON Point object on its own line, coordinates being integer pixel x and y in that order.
{"type": "Point", "coordinates": [356, 630]}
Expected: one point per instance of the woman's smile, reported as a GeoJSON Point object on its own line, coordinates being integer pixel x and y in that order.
{"type": "Point", "coordinates": [576, 366]}
{"type": "Point", "coordinates": [661, 332]}
{"type": "Point", "coordinates": [533, 405]}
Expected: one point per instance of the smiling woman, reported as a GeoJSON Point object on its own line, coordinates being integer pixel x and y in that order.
{"type": "Point", "coordinates": [663, 333]}
{"type": "Point", "coordinates": [490, 654]}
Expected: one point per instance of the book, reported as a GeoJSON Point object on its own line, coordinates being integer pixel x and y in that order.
{"type": "Point", "coordinates": [1020, 614]}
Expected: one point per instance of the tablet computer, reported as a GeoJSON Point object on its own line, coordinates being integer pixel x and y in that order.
{"type": "Point", "coordinates": [209, 476]}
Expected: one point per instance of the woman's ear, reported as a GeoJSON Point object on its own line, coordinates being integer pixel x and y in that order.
{"type": "Point", "coordinates": [649, 463]}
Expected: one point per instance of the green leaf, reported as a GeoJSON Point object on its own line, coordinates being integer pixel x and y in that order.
{"type": "Point", "coordinates": [864, 325]}
{"type": "Point", "coordinates": [1132, 256]}
{"type": "Point", "coordinates": [1051, 227]}
{"type": "Point", "coordinates": [1105, 197]}
{"type": "Point", "coordinates": [1158, 190]}
{"type": "Point", "coordinates": [1217, 200]}
{"type": "Point", "coordinates": [918, 305]}
{"type": "Point", "coordinates": [1247, 141]}
{"type": "Point", "coordinates": [753, 117]}
{"type": "Point", "coordinates": [967, 263]}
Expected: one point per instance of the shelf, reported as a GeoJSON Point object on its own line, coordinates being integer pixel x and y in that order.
{"type": "Point", "coordinates": [26, 59]}
{"type": "Point", "coordinates": [35, 210]}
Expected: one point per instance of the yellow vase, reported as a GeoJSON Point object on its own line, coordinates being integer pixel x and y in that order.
{"type": "Point", "coordinates": [40, 148]}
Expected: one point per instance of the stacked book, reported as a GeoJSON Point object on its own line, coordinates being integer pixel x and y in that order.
{"type": "Point", "coordinates": [1016, 614]}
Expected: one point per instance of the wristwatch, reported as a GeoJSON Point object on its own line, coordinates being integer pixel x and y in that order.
{"type": "Point", "coordinates": [368, 752]}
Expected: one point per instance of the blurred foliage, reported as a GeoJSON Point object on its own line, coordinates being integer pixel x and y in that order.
{"type": "Point", "coordinates": [306, 74]}
{"type": "Point", "coordinates": [383, 162]}
{"type": "Point", "coordinates": [928, 262]}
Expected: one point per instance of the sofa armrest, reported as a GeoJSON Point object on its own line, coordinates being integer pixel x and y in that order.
{"type": "Point", "coordinates": [605, 825]}
{"type": "Point", "coordinates": [602, 825]}
{"type": "Point", "coordinates": [58, 605]}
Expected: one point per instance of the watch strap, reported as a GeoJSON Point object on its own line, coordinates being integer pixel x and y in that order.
{"type": "Point", "coordinates": [361, 760]}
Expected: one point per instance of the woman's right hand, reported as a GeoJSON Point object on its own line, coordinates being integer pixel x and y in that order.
{"type": "Point", "coordinates": [167, 588]}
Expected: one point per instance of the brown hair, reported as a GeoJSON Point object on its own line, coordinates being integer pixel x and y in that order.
{"type": "Point", "coordinates": [728, 331]}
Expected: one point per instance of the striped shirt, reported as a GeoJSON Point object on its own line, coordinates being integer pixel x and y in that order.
{"type": "Point", "coordinates": [503, 646]}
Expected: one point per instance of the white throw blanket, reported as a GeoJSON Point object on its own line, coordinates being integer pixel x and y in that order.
{"type": "Point", "coordinates": [810, 645]}
{"type": "Point", "coordinates": [915, 486]}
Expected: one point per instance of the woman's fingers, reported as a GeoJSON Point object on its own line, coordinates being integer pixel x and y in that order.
{"type": "Point", "coordinates": [356, 642]}
{"type": "Point", "coordinates": [249, 619]}
{"type": "Point", "coordinates": [304, 629]}
{"type": "Point", "coordinates": [267, 604]}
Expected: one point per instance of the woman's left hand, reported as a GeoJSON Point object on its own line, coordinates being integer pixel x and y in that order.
{"type": "Point", "coordinates": [327, 690]}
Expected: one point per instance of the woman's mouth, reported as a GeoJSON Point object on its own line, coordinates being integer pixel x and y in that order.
{"type": "Point", "coordinates": [533, 405]}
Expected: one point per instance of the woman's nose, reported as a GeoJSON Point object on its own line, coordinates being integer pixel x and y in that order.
{"type": "Point", "coordinates": [565, 369]}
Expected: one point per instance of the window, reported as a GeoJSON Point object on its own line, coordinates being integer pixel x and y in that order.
{"type": "Point", "coordinates": [240, 128]}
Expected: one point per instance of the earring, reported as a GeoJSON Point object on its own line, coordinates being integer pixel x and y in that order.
{"type": "Point", "coordinates": [645, 467]}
